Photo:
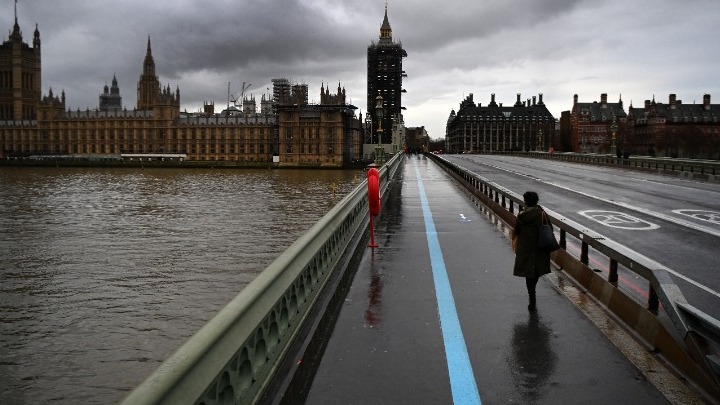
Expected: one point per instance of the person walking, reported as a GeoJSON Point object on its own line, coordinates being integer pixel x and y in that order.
{"type": "Point", "coordinates": [530, 261]}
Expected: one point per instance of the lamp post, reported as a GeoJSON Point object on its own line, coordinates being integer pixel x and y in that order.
{"type": "Point", "coordinates": [540, 140]}
{"type": "Point", "coordinates": [613, 129]}
{"type": "Point", "coordinates": [379, 149]}
{"type": "Point", "coordinates": [368, 128]}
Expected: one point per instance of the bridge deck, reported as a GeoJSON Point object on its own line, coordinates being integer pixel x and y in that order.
{"type": "Point", "coordinates": [435, 316]}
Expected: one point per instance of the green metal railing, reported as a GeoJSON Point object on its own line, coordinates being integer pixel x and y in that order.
{"type": "Point", "coordinates": [236, 355]}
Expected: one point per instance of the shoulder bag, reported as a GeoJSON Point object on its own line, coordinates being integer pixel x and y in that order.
{"type": "Point", "coordinates": [546, 235]}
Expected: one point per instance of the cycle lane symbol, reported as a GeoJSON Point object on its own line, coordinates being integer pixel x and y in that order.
{"type": "Point", "coordinates": [702, 215]}
{"type": "Point", "coordinates": [616, 219]}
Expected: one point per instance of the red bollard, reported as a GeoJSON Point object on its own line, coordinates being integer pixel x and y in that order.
{"type": "Point", "coordinates": [373, 201]}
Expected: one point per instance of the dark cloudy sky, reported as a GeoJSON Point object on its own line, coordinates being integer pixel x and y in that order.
{"type": "Point", "coordinates": [637, 49]}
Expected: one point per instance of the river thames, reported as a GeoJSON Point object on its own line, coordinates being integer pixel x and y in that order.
{"type": "Point", "coordinates": [105, 272]}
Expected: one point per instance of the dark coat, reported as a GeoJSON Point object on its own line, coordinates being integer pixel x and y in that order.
{"type": "Point", "coordinates": [529, 260]}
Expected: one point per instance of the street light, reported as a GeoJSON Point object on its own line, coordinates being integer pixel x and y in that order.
{"type": "Point", "coordinates": [613, 129]}
{"type": "Point", "coordinates": [368, 128]}
{"type": "Point", "coordinates": [379, 112]}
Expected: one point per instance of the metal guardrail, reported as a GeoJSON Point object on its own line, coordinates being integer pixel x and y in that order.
{"type": "Point", "coordinates": [698, 332]}
{"type": "Point", "coordinates": [234, 357]}
{"type": "Point", "coordinates": [696, 168]}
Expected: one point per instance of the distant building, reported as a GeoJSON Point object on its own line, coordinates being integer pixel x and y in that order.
{"type": "Point", "coordinates": [286, 131]}
{"type": "Point", "coordinates": [523, 126]}
{"type": "Point", "coordinates": [674, 129]}
{"type": "Point", "coordinates": [20, 79]}
{"type": "Point", "coordinates": [110, 99]}
{"type": "Point", "coordinates": [563, 141]}
{"type": "Point", "coordinates": [384, 78]}
{"type": "Point", "coordinates": [325, 134]}
{"type": "Point", "coordinates": [591, 124]}
{"type": "Point", "coordinates": [416, 139]}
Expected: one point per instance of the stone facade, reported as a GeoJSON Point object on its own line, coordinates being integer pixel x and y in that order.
{"type": "Point", "coordinates": [384, 78]}
{"type": "Point", "coordinates": [416, 139]}
{"type": "Point", "coordinates": [20, 79]}
{"type": "Point", "coordinates": [591, 124]}
{"type": "Point", "coordinates": [674, 129]}
{"type": "Point", "coordinates": [327, 134]}
{"type": "Point", "coordinates": [525, 126]}
{"type": "Point", "coordinates": [287, 130]}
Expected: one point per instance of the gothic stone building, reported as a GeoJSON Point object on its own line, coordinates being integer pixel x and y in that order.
{"type": "Point", "coordinates": [324, 135]}
{"type": "Point", "coordinates": [20, 85]}
{"type": "Point", "coordinates": [674, 129]}
{"type": "Point", "coordinates": [384, 78]}
{"type": "Point", "coordinates": [475, 128]}
{"type": "Point", "coordinates": [591, 124]}
{"type": "Point", "coordinates": [416, 139]}
{"type": "Point", "coordinates": [327, 134]}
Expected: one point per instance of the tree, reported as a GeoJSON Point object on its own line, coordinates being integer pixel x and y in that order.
{"type": "Point", "coordinates": [436, 145]}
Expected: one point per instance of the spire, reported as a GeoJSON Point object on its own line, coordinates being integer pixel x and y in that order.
{"type": "Point", "coordinates": [16, 33]}
{"type": "Point", "coordinates": [148, 87]}
{"type": "Point", "coordinates": [149, 64]}
{"type": "Point", "coordinates": [114, 89]}
{"type": "Point", "coordinates": [36, 37]}
{"type": "Point", "coordinates": [385, 30]}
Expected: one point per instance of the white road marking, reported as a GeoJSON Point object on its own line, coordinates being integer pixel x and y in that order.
{"type": "Point", "coordinates": [702, 215]}
{"type": "Point", "coordinates": [615, 219]}
{"type": "Point", "coordinates": [658, 215]}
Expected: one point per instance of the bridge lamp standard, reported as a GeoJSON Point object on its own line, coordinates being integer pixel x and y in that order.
{"type": "Point", "coordinates": [540, 141]}
{"type": "Point", "coordinates": [613, 129]}
{"type": "Point", "coordinates": [379, 113]}
{"type": "Point", "coordinates": [368, 129]}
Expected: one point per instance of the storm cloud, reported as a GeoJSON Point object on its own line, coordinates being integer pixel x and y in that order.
{"type": "Point", "coordinates": [633, 50]}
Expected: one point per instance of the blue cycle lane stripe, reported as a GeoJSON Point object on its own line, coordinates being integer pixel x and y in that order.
{"type": "Point", "coordinates": [462, 381]}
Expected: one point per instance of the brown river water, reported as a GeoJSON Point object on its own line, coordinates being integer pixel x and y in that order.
{"type": "Point", "coordinates": [105, 272]}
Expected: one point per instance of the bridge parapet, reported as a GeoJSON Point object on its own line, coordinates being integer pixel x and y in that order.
{"type": "Point", "coordinates": [691, 168]}
{"type": "Point", "coordinates": [690, 343]}
{"type": "Point", "coordinates": [236, 356]}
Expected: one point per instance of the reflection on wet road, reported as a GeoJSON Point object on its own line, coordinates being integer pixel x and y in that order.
{"type": "Point", "coordinates": [532, 359]}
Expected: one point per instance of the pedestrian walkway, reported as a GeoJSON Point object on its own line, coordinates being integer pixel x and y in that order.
{"type": "Point", "coordinates": [434, 316]}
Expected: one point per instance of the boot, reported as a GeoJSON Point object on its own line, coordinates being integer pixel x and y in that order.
{"type": "Point", "coordinates": [531, 306]}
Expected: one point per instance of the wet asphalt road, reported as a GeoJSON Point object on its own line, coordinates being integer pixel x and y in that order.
{"type": "Point", "coordinates": [395, 341]}
{"type": "Point", "coordinates": [673, 221]}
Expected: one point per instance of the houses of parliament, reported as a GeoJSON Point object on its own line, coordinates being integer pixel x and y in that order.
{"type": "Point", "coordinates": [287, 131]}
